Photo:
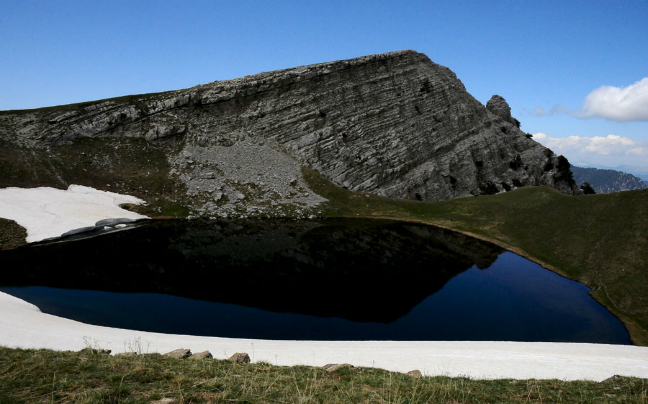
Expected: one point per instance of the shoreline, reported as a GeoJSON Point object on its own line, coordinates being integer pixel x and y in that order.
{"type": "Point", "coordinates": [25, 326]}
{"type": "Point", "coordinates": [89, 231]}
{"type": "Point", "coordinates": [519, 252]}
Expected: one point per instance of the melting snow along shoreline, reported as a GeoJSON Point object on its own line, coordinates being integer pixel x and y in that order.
{"type": "Point", "coordinates": [51, 213]}
{"type": "Point", "coordinates": [48, 212]}
{"type": "Point", "coordinates": [24, 326]}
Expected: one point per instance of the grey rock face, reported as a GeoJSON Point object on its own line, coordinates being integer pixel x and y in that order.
{"type": "Point", "coordinates": [499, 107]}
{"type": "Point", "coordinates": [394, 124]}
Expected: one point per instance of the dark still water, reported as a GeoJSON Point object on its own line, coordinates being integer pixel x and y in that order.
{"type": "Point", "coordinates": [321, 280]}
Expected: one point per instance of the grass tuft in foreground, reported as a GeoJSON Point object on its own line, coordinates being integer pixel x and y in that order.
{"type": "Point", "coordinates": [31, 376]}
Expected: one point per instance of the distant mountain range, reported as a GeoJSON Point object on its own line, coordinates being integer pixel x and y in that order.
{"type": "Point", "coordinates": [637, 171]}
{"type": "Point", "coordinates": [641, 172]}
{"type": "Point", "coordinates": [606, 181]}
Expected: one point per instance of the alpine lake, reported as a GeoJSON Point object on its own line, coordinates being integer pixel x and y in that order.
{"type": "Point", "coordinates": [332, 279]}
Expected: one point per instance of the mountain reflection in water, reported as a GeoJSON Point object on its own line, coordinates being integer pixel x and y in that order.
{"type": "Point", "coordinates": [345, 272]}
{"type": "Point", "coordinates": [355, 269]}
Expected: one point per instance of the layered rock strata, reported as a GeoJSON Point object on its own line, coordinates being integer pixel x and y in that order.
{"type": "Point", "coordinates": [393, 124]}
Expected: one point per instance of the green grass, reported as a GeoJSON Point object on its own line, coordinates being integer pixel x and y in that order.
{"type": "Point", "coordinates": [598, 240]}
{"type": "Point", "coordinates": [33, 376]}
{"type": "Point", "coordinates": [127, 166]}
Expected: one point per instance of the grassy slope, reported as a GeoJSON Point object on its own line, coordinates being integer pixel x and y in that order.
{"type": "Point", "coordinates": [599, 240]}
{"type": "Point", "coordinates": [46, 376]}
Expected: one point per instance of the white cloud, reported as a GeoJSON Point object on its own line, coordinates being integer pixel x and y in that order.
{"type": "Point", "coordinates": [639, 151]}
{"type": "Point", "coordinates": [596, 148]}
{"type": "Point", "coordinates": [538, 111]}
{"type": "Point", "coordinates": [607, 145]}
{"type": "Point", "coordinates": [555, 110]}
{"type": "Point", "coordinates": [621, 104]}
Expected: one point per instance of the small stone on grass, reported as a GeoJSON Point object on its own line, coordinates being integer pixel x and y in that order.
{"type": "Point", "coordinates": [181, 353]}
{"type": "Point", "coordinates": [240, 358]}
{"type": "Point", "coordinates": [202, 355]}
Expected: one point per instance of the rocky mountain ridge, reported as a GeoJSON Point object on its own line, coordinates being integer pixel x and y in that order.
{"type": "Point", "coordinates": [393, 124]}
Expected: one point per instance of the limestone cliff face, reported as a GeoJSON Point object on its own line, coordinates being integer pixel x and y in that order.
{"type": "Point", "coordinates": [394, 124]}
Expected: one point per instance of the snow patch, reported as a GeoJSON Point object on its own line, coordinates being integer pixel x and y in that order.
{"type": "Point", "coordinates": [48, 212]}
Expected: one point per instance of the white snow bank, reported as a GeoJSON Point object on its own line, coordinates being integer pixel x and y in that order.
{"type": "Point", "coordinates": [23, 325]}
{"type": "Point", "coordinates": [49, 212]}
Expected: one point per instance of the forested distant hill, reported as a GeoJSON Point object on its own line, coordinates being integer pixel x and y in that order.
{"type": "Point", "coordinates": [606, 181]}
{"type": "Point", "coordinates": [637, 171]}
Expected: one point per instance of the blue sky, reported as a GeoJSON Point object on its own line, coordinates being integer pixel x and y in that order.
{"type": "Point", "coordinates": [549, 59]}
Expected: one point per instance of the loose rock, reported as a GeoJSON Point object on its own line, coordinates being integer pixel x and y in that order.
{"type": "Point", "coordinates": [332, 367]}
{"type": "Point", "coordinates": [165, 401]}
{"type": "Point", "coordinates": [181, 353]}
{"type": "Point", "coordinates": [240, 358]}
{"type": "Point", "coordinates": [202, 355]}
